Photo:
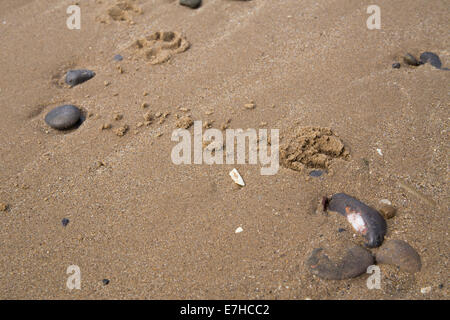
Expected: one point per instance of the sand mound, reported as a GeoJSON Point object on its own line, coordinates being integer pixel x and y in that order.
{"type": "Point", "coordinates": [311, 147]}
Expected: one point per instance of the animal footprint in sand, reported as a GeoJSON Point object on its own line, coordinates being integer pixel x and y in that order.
{"type": "Point", "coordinates": [161, 46]}
{"type": "Point", "coordinates": [121, 11]}
{"type": "Point", "coordinates": [311, 147]}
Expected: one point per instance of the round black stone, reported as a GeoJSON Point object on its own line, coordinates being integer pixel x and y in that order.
{"type": "Point", "coordinates": [65, 222]}
{"type": "Point", "coordinates": [63, 117]}
{"type": "Point", "coordinates": [105, 281]}
{"type": "Point", "coordinates": [396, 65]}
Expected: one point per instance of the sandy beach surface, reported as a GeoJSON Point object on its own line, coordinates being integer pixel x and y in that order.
{"type": "Point", "coordinates": [157, 230]}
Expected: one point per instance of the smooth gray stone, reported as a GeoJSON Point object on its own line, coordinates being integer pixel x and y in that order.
{"type": "Point", "coordinates": [375, 225]}
{"type": "Point", "coordinates": [75, 77]}
{"type": "Point", "coordinates": [354, 262]}
{"type": "Point", "coordinates": [63, 117]}
{"type": "Point", "coordinates": [401, 254]}
{"type": "Point", "coordinates": [194, 4]}
{"type": "Point", "coordinates": [433, 59]}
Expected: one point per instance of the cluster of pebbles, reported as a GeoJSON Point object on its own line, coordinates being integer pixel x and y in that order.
{"type": "Point", "coordinates": [69, 116]}
{"type": "Point", "coordinates": [352, 261]}
{"type": "Point", "coordinates": [426, 57]}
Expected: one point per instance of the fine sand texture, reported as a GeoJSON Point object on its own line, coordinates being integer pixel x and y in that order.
{"type": "Point", "coordinates": [157, 230]}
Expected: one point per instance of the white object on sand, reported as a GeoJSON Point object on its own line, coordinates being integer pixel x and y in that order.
{"type": "Point", "coordinates": [357, 222]}
{"type": "Point", "coordinates": [425, 290]}
{"type": "Point", "coordinates": [239, 230]}
{"type": "Point", "coordinates": [379, 152]}
{"type": "Point", "coordinates": [234, 174]}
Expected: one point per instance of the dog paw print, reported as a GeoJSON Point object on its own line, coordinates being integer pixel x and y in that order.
{"type": "Point", "coordinates": [121, 11]}
{"type": "Point", "coordinates": [161, 46]}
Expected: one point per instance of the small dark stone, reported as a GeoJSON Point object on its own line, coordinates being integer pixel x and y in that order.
{"type": "Point", "coordinates": [316, 173]}
{"type": "Point", "coordinates": [353, 263]}
{"type": "Point", "coordinates": [63, 117]}
{"type": "Point", "coordinates": [396, 65]}
{"type": "Point", "coordinates": [105, 281]}
{"type": "Point", "coordinates": [441, 286]}
{"type": "Point", "coordinates": [194, 4]}
{"type": "Point", "coordinates": [411, 60]}
{"type": "Point", "coordinates": [65, 222]}
{"type": "Point", "coordinates": [341, 230]}
{"type": "Point", "coordinates": [118, 57]}
{"type": "Point", "coordinates": [364, 219]}
{"type": "Point", "coordinates": [75, 77]}
{"type": "Point", "coordinates": [400, 254]}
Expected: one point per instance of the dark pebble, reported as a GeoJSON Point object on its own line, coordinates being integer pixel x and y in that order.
{"type": "Point", "coordinates": [411, 60]}
{"type": "Point", "coordinates": [75, 77]}
{"type": "Point", "coordinates": [63, 117]}
{"type": "Point", "coordinates": [341, 230]}
{"type": "Point", "coordinates": [194, 4]}
{"type": "Point", "coordinates": [396, 65]}
{"type": "Point", "coordinates": [400, 254]}
{"type": "Point", "coordinates": [364, 219]}
{"type": "Point", "coordinates": [353, 263]}
{"type": "Point", "coordinates": [65, 222]}
{"type": "Point", "coordinates": [118, 57]}
{"type": "Point", "coordinates": [441, 286]}
{"type": "Point", "coordinates": [433, 59]}
{"type": "Point", "coordinates": [316, 173]}
{"type": "Point", "coordinates": [105, 281]}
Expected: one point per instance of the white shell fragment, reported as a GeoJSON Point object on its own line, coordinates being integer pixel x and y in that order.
{"type": "Point", "coordinates": [357, 222]}
{"type": "Point", "coordinates": [234, 174]}
{"type": "Point", "coordinates": [239, 230]}
{"type": "Point", "coordinates": [386, 201]}
{"type": "Point", "coordinates": [380, 152]}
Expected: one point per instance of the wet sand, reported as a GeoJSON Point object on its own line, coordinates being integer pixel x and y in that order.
{"type": "Point", "coordinates": [161, 231]}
